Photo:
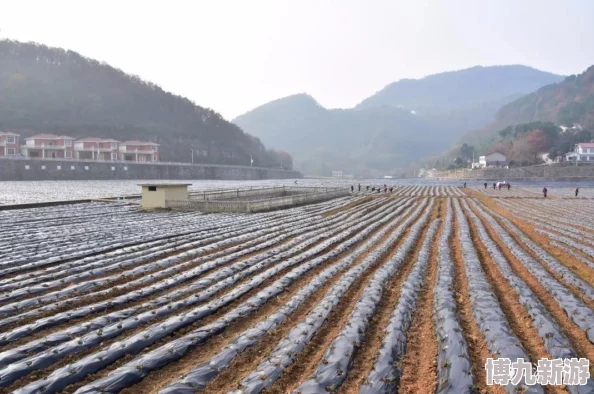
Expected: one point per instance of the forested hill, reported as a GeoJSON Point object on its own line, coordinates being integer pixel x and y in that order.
{"type": "Point", "coordinates": [568, 102]}
{"type": "Point", "coordinates": [393, 129]}
{"type": "Point", "coordinates": [532, 123]}
{"type": "Point", "coordinates": [51, 90]}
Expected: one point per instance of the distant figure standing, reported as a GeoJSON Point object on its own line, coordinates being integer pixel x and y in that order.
{"type": "Point", "coordinates": [352, 188]}
{"type": "Point", "coordinates": [485, 185]}
{"type": "Point", "coordinates": [373, 189]}
{"type": "Point", "coordinates": [391, 188]}
{"type": "Point", "coordinates": [499, 186]}
{"type": "Point", "coordinates": [544, 192]}
{"type": "Point", "coordinates": [494, 185]}
{"type": "Point", "coordinates": [359, 187]}
{"type": "Point", "coordinates": [465, 185]}
{"type": "Point", "coordinates": [379, 189]}
{"type": "Point", "coordinates": [577, 191]}
{"type": "Point", "coordinates": [508, 186]}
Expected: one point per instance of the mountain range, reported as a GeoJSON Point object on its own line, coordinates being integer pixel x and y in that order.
{"type": "Point", "coordinates": [407, 120]}
{"type": "Point", "coordinates": [51, 90]}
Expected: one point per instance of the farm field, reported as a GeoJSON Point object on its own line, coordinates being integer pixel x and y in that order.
{"type": "Point", "coordinates": [21, 192]}
{"type": "Point", "coordinates": [406, 292]}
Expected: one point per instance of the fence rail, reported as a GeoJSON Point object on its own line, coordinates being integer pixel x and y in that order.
{"type": "Point", "coordinates": [309, 196]}
{"type": "Point", "coordinates": [273, 191]}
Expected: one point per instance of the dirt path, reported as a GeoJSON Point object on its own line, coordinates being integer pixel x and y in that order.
{"type": "Point", "coordinates": [419, 368]}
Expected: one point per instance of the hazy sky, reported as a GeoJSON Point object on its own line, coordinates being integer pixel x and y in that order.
{"type": "Point", "coordinates": [233, 55]}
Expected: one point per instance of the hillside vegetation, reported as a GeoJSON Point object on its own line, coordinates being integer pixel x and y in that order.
{"type": "Point", "coordinates": [392, 129]}
{"type": "Point", "coordinates": [530, 125]}
{"type": "Point", "coordinates": [568, 102]}
{"type": "Point", "coordinates": [52, 90]}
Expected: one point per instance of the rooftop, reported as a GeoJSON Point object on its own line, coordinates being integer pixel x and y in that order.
{"type": "Point", "coordinates": [96, 139]}
{"type": "Point", "coordinates": [8, 133]}
{"type": "Point", "coordinates": [49, 137]}
{"type": "Point", "coordinates": [138, 143]}
{"type": "Point", "coordinates": [586, 144]}
{"type": "Point", "coordinates": [164, 184]}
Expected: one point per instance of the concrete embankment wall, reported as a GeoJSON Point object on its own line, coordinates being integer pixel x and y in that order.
{"type": "Point", "coordinates": [535, 173]}
{"type": "Point", "coordinates": [39, 170]}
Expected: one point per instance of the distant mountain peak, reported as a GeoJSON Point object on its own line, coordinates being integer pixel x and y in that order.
{"type": "Point", "coordinates": [296, 103]}
{"type": "Point", "coordinates": [407, 119]}
{"type": "Point", "coordinates": [454, 89]}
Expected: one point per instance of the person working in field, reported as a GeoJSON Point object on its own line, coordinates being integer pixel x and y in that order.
{"type": "Point", "coordinates": [485, 185]}
{"type": "Point", "coordinates": [577, 191]}
{"type": "Point", "coordinates": [544, 192]}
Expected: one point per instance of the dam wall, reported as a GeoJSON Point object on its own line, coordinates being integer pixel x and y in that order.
{"type": "Point", "coordinates": [64, 170]}
{"type": "Point", "coordinates": [533, 173]}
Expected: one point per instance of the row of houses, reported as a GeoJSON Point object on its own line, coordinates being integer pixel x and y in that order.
{"type": "Point", "coordinates": [50, 146]}
{"type": "Point", "coordinates": [584, 151]}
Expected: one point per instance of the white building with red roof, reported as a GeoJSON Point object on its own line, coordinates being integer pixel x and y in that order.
{"type": "Point", "coordinates": [48, 146]}
{"type": "Point", "coordinates": [584, 151]}
{"type": "Point", "coordinates": [140, 151]}
{"type": "Point", "coordinates": [9, 144]}
{"type": "Point", "coordinates": [51, 146]}
{"type": "Point", "coordinates": [94, 148]}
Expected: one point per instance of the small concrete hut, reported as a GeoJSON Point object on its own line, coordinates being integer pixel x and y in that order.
{"type": "Point", "coordinates": [155, 195]}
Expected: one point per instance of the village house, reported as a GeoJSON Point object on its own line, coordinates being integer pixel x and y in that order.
{"type": "Point", "coordinates": [51, 146]}
{"type": "Point", "coordinates": [93, 148]}
{"type": "Point", "coordinates": [140, 151]}
{"type": "Point", "coordinates": [584, 151]}
{"type": "Point", "coordinates": [48, 146]}
{"type": "Point", "coordinates": [9, 144]}
{"type": "Point", "coordinates": [494, 159]}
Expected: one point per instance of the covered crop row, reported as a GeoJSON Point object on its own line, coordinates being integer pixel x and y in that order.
{"type": "Point", "coordinates": [104, 328]}
{"type": "Point", "coordinates": [453, 362]}
{"type": "Point", "coordinates": [337, 360]}
{"type": "Point", "coordinates": [269, 370]}
{"type": "Point", "coordinates": [576, 310]}
{"type": "Point", "coordinates": [198, 377]}
{"type": "Point", "coordinates": [384, 377]}
{"type": "Point", "coordinates": [555, 341]}
{"type": "Point", "coordinates": [150, 335]}
{"type": "Point", "coordinates": [486, 310]}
